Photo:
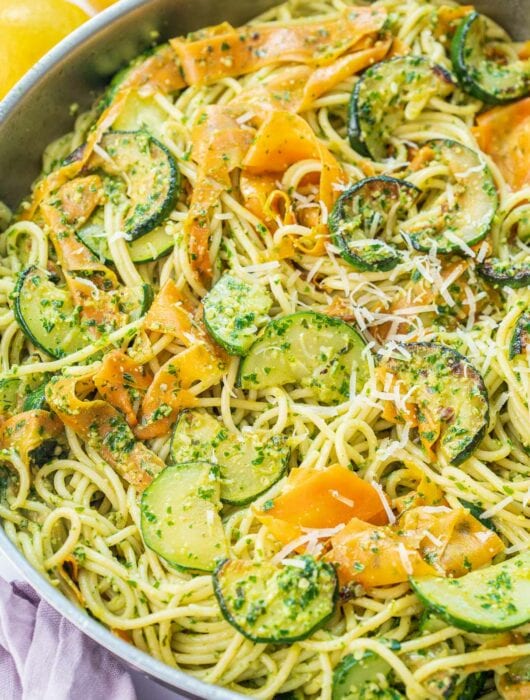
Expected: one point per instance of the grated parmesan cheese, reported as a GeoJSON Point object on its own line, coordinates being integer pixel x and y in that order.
{"type": "Point", "coordinates": [437, 542]}
{"type": "Point", "coordinates": [388, 510]}
{"type": "Point", "coordinates": [460, 243]}
{"type": "Point", "coordinates": [482, 251]}
{"type": "Point", "coordinates": [297, 563]}
{"type": "Point", "coordinates": [472, 305]}
{"type": "Point", "coordinates": [470, 171]}
{"type": "Point", "coordinates": [496, 508]}
{"type": "Point", "coordinates": [338, 497]}
{"type": "Point", "coordinates": [310, 538]}
{"type": "Point", "coordinates": [404, 557]}
{"type": "Point", "coordinates": [244, 118]}
{"type": "Point", "coordinates": [483, 536]}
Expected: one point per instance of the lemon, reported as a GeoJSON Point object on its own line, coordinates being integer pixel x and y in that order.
{"type": "Point", "coordinates": [28, 29]}
{"type": "Point", "coordinates": [101, 4]}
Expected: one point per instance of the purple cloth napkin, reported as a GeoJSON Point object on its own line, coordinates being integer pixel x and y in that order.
{"type": "Point", "coordinates": [44, 657]}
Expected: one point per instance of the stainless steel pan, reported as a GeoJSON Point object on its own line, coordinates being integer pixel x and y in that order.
{"type": "Point", "coordinates": [37, 111]}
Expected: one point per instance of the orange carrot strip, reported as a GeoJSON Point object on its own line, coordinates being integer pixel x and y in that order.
{"type": "Point", "coordinates": [320, 500]}
{"type": "Point", "coordinates": [158, 73]}
{"type": "Point", "coordinates": [104, 428]}
{"type": "Point", "coordinates": [72, 205]}
{"type": "Point", "coordinates": [79, 197]}
{"type": "Point", "coordinates": [240, 51]}
{"type": "Point", "coordinates": [372, 556]}
{"type": "Point", "coordinates": [121, 381]}
{"type": "Point", "coordinates": [426, 492]}
{"type": "Point", "coordinates": [284, 139]}
{"type": "Point", "coordinates": [504, 134]}
{"type": "Point", "coordinates": [169, 391]}
{"type": "Point", "coordinates": [26, 431]}
{"type": "Point", "coordinates": [464, 542]}
{"type": "Point", "coordinates": [422, 543]}
{"type": "Point", "coordinates": [218, 147]}
{"type": "Point", "coordinates": [324, 79]}
{"type": "Point", "coordinates": [170, 313]}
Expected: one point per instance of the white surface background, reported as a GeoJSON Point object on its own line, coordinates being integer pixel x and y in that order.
{"type": "Point", "coordinates": [145, 688]}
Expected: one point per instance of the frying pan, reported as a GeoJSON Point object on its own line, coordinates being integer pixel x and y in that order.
{"type": "Point", "coordinates": [37, 111]}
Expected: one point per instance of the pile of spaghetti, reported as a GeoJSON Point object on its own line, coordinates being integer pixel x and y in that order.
{"type": "Point", "coordinates": [265, 355]}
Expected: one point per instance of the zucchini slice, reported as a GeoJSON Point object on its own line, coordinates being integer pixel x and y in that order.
{"type": "Point", "coordinates": [9, 392]}
{"type": "Point", "coordinates": [495, 599]}
{"type": "Point", "coordinates": [147, 296]}
{"type": "Point", "coordinates": [386, 95]}
{"type": "Point", "coordinates": [317, 352]}
{"type": "Point", "coordinates": [180, 516]}
{"type": "Point", "coordinates": [159, 62]}
{"type": "Point", "coordinates": [141, 112]}
{"type": "Point", "coordinates": [152, 175]}
{"type": "Point", "coordinates": [46, 314]}
{"type": "Point", "coordinates": [448, 388]}
{"type": "Point", "coordinates": [467, 216]}
{"type": "Point", "coordinates": [363, 214]}
{"type": "Point", "coordinates": [363, 678]}
{"type": "Point", "coordinates": [148, 248]}
{"type": "Point", "coordinates": [274, 604]}
{"type": "Point", "coordinates": [234, 312]}
{"type": "Point", "coordinates": [142, 177]}
{"type": "Point", "coordinates": [478, 513]}
{"type": "Point", "coordinates": [249, 464]}
{"type": "Point", "coordinates": [482, 67]}
{"type": "Point", "coordinates": [505, 273]}
{"type": "Point", "coordinates": [36, 399]}
{"type": "Point", "coordinates": [520, 341]}
{"type": "Point", "coordinates": [469, 688]}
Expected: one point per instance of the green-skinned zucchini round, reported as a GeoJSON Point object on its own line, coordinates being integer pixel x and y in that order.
{"type": "Point", "coordinates": [310, 349]}
{"type": "Point", "coordinates": [148, 248]}
{"type": "Point", "coordinates": [117, 82]}
{"type": "Point", "coordinates": [468, 689]}
{"type": "Point", "coordinates": [478, 513]}
{"type": "Point", "coordinates": [142, 177]}
{"type": "Point", "coordinates": [35, 399]}
{"type": "Point", "coordinates": [450, 388]}
{"type": "Point", "coordinates": [249, 463]}
{"type": "Point", "coordinates": [141, 112]}
{"type": "Point", "coordinates": [9, 393]}
{"type": "Point", "coordinates": [276, 604]}
{"type": "Point", "coordinates": [483, 70]}
{"type": "Point", "coordinates": [180, 516]}
{"type": "Point", "coordinates": [380, 98]}
{"type": "Point", "coordinates": [360, 218]}
{"type": "Point", "coordinates": [494, 599]}
{"type": "Point", "coordinates": [520, 341]}
{"type": "Point", "coordinates": [46, 314]}
{"type": "Point", "coordinates": [468, 217]}
{"type": "Point", "coordinates": [505, 273]}
{"type": "Point", "coordinates": [234, 312]}
{"type": "Point", "coordinates": [162, 52]}
{"type": "Point", "coordinates": [361, 677]}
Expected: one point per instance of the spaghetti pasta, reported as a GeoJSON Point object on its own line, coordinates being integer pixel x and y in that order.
{"type": "Point", "coordinates": [263, 155]}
